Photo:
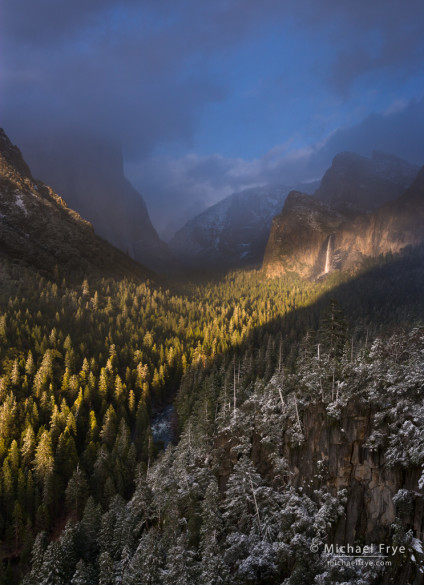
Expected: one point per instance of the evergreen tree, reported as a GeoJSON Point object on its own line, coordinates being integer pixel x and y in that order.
{"type": "Point", "coordinates": [334, 329]}
{"type": "Point", "coordinates": [106, 573]}
{"type": "Point", "coordinates": [241, 510]}
{"type": "Point", "coordinates": [85, 574]}
{"type": "Point", "coordinates": [180, 566]}
{"type": "Point", "coordinates": [89, 529]}
{"type": "Point", "coordinates": [77, 491]}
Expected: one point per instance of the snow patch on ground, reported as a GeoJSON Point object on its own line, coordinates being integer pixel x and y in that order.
{"type": "Point", "coordinates": [20, 203]}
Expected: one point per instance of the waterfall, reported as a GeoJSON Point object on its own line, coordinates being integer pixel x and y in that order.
{"type": "Point", "coordinates": [328, 257]}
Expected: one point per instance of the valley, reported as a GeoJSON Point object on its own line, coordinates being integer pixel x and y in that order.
{"type": "Point", "coordinates": [213, 429]}
{"type": "Point", "coordinates": [211, 292]}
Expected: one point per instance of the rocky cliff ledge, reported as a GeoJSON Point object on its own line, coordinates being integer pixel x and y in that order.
{"type": "Point", "coordinates": [312, 238]}
{"type": "Point", "coordinates": [338, 456]}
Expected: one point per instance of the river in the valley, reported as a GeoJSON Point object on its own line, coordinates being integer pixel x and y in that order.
{"type": "Point", "coordinates": [163, 426]}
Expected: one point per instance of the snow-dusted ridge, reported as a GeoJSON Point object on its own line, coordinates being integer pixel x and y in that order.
{"type": "Point", "coordinates": [233, 232]}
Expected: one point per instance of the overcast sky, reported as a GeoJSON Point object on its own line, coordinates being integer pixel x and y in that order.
{"type": "Point", "coordinates": [208, 97]}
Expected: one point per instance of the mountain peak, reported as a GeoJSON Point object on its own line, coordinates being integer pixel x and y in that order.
{"type": "Point", "coordinates": [11, 158]}
{"type": "Point", "coordinates": [298, 198]}
{"type": "Point", "coordinates": [356, 184]}
{"type": "Point", "coordinates": [347, 156]}
{"type": "Point", "coordinates": [233, 232]}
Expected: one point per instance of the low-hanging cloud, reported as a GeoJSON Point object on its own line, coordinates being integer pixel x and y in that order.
{"type": "Point", "coordinates": [148, 74]}
{"type": "Point", "coordinates": [177, 189]}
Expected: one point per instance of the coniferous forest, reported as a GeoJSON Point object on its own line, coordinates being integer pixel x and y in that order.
{"type": "Point", "coordinates": [296, 413]}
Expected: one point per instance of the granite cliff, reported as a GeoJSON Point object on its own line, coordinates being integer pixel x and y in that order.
{"type": "Point", "coordinates": [342, 224]}
{"type": "Point", "coordinates": [89, 172]}
{"type": "Point", "coordinates": [38, 229]}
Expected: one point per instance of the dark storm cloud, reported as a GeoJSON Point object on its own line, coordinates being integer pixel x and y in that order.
{"type": "Point", "coordinates": [396, 48]}
{"type": "Point", "coordinates": [368, 36]}
{"type": "Point", "coordinates": [86, 67]}
{"type": "Point", "coordinates": [139, 70]}
{"type": "Point", "coordinates": [144, 73]}
{"type": "Point", "coordinates": [136, 70]}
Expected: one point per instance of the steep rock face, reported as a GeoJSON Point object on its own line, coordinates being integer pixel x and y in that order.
{"type": "Point", "coordinates": [395, 225]}
{"type": "Point", "coordinates": [90, 175]}
{"type": "Point", "coordinates": [337, 457]}
{"type": "Point", "coordinates": [38, 228]}
{"type": "Point", "coordinates": [355, 184]}
{"type": "Point", "coordinates": [312, 238]}
{"type": "Point", "coordinates": [232, 233]}
{"type": "Point", "coordinates": [300, 236]}
{"type": "Point", "coordinates": [347, 463]}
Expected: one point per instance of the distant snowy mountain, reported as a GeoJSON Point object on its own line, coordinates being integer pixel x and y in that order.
{"type": "Point", "coordinates": [232, 233]}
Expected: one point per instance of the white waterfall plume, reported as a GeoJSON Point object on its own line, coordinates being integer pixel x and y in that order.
{"type": "Point", "coordinates": [328, 256]}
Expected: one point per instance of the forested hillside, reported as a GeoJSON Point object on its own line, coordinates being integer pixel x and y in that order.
{"type": "Point", "coordinates": [228, 505]}
{"type": "Point", "coordinates": [84, 367]}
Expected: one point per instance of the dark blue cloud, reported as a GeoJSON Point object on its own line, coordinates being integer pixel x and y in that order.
{"type": "Point", "coordinates": [222, 81]}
